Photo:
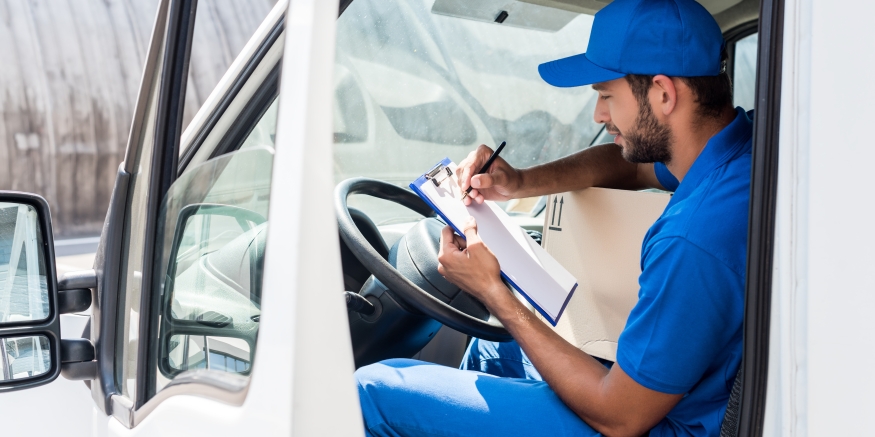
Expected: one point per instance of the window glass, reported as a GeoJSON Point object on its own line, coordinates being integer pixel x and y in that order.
{"type": "Point", "coordinates": [221, 30]}
{"type": "Point", "coordinates": [213, 227]}
{"type": "Point", "coordinates": [745, 72]}
{"type": "Point", "coordinates": [413, 86]}
{"type": "Point", "coordinates": [24, 357]}
{"type": "Point", "coordinates": [223, 354]}
{"type": "Point", "coordinates": [24, 294]}
{"type": "Point", "coordinates": [264, 133]}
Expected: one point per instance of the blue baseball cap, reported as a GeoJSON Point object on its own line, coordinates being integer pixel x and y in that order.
{"type": "Point", "coordinates": [671, 37]}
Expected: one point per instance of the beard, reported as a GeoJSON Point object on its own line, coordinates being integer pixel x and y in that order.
{"type": "Point", "coordinates": [648, 140]}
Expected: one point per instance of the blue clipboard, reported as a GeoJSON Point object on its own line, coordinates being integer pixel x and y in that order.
{"type": "Point", "coordinates": [437, 175]}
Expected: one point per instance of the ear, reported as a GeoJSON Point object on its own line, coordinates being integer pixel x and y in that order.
{"type": "Point", "coordinates": [664, 95]}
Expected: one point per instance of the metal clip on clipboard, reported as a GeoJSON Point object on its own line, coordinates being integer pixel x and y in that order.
{"type": "Point", "coordinates": [436, 172]}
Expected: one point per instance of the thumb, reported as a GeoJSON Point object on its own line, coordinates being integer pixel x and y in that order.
{"type": "Point", "coordinates": [470, 230]}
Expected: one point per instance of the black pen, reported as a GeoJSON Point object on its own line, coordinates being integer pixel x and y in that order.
{"type": "Point", "coordinates": [486, 166]}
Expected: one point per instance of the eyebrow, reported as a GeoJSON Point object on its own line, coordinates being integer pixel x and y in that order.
{"type": "Point", "coordinates": [598, 86]}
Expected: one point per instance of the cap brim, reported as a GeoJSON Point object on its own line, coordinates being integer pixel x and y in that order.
{"type": "Point", "coordinates": [575, 70]}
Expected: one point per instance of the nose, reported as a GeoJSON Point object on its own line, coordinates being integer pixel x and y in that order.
{"type": "Point", "coordinates": [602, 114]}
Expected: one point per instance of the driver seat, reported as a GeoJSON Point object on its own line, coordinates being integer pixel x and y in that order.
{"type": "Point", "coordinates": [732, 416]}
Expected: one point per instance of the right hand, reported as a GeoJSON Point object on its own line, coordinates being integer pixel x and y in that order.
{"type": "Point", "coordinates": [499, 182]}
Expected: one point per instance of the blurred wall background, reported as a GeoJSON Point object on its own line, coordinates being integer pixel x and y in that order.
{"type": "Point", "coordinates": [69, 75]}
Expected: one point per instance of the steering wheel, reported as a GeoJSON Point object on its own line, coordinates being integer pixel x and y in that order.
{"type": "Point", "coordinates": [458, 311]}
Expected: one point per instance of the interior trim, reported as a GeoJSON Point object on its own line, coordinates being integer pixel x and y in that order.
{"type": "Point", "coordinates": [761, 230]}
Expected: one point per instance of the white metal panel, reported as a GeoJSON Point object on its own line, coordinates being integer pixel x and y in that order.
{"type": "Point", "coordinates": [786, 402]}
{"type": "Point", "coordinates": [324, 396]}
{"type": "Point", "coordinates": [821, 381]}
{"type": "Point", "coordinates": [841, 249]}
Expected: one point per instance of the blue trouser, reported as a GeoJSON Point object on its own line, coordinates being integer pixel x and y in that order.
{"type": "Point", "coordinates": [496, 392]}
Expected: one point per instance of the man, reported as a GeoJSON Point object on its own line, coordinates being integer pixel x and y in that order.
{"type": "Point", "coordinates": [663, 91]}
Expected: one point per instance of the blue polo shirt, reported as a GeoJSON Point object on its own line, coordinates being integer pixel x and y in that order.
{"type": "Point", "coordinates": [684, 334]}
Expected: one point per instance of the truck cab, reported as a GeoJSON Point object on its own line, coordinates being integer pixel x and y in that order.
{"type": "Point", "coordinates": [253, 259]}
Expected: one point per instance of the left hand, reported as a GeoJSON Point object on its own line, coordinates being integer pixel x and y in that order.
{"type": "Point", "coordinates": [470, 264]}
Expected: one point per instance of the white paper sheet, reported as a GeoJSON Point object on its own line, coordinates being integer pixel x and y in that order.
{"type": "Point", "coordinates": [528, 267]}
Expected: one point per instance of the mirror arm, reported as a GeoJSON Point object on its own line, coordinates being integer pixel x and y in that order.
{"type": "Point", "coordinates": [82, 371]}
{"type": "Point", "coordinates": [77, 359]}
{"type": "Point", "coordinates": [77, 355]}
{"type": "Point", "coordinates": [76, 350]}
{"type": "Point", "coordinates": [74, 301]}
{"type": "Point", "coordinates": [80, 279]}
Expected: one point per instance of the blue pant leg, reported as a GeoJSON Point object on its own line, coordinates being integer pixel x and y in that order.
{"type": "Point", "coordinates": [505, 359]}
{"type": "Point", "coordinates": [404, 397]}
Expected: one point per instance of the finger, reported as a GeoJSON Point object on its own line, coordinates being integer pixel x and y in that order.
{"type": "Point", "coordinates": [464, 170]}
{"type": "Point", "coordinates": [470, 230]}
{"type": "Point", "coordinates": [459, 242]}
{"type": "Point", "coordinates": [480, 199]}
{"type": "Point", "coordinates": [447, 242]}
{"type": "Point", "coordinates": [470, 197]}
{"type": "Point", "coordinates": [472, 164]}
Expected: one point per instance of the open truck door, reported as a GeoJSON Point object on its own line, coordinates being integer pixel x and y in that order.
{"type": "Point", "coordinates": [180, 341]}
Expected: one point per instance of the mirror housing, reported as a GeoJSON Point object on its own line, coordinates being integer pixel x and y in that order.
{"type": "Point", "coordinates": [24, 339]}
{"type": "Point", "coordinates": [32, 352]}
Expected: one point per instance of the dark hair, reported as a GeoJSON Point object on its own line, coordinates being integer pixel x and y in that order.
{"type": "Point", "coordinates": [712, 93]}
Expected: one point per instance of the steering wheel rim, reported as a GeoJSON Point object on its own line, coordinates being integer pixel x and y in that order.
{"type": "Point", "coordinates": [398, 284]}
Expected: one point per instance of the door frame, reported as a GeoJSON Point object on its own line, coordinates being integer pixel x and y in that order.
{"type": "Point", "coordinates": [761, 219]}
{"type": "Point", "coordinates": [162, 85]}
{"type": "Point", "coordinates": [303, 383]}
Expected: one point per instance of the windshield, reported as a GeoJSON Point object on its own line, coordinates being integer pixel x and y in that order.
{"type": "Point", "coordinates": [414, 85]}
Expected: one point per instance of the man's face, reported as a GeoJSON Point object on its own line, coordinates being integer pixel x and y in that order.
{"type": "Point", "coordinates": [642, 136]}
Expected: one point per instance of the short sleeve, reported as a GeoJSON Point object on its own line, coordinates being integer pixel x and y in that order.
{"type": "Point", "coordinates": [666, 179]}
{"type": "Point", "coordinates": [689, 310]}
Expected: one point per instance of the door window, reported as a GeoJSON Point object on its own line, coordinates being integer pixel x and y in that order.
{"type": "Point", "coordinates": [211, 46]}
{"type": "Point", "coordinates": [744, 73]}
{"type": "Point", "coordinates": [207, 284]}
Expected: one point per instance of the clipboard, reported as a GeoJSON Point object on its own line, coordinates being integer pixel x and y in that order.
{"type": "Point", "coordinates": [525, 265]}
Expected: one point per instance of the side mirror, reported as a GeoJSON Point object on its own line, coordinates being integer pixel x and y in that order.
{"type": "Point", "coordinates": [32, 352]}
{"type": "Point", "coordinates": [30, 329]}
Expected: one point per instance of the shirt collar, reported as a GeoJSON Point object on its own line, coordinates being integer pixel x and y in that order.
{"type": "Point", "coordinates": [726, 145]}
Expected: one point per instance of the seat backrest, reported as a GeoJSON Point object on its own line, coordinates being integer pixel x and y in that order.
{"type": "Point", "coordinates": [732, 417]}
